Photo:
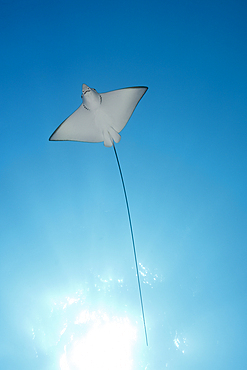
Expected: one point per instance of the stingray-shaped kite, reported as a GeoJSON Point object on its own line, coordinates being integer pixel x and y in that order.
{"type": "Point", "coordinates": [99, 118]}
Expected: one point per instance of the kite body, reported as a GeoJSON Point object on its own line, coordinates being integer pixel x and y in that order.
{"type": "Point", "coordinates": [100, 117]}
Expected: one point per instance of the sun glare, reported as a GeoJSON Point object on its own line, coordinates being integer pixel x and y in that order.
{"type": "Point", "coordinates": [107, 344]}
{"type": "Point", "coordinates": [83, 336]}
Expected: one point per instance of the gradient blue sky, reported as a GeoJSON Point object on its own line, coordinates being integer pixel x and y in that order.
{"type": "Point", "coordinates": [64, 228]}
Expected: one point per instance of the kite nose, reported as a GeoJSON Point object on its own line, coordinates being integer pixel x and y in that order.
{"type": "Point", "coordinates": [85, 88]}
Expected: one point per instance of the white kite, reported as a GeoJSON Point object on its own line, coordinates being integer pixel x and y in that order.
{"type": "Point", "coordinates": [100, 118]}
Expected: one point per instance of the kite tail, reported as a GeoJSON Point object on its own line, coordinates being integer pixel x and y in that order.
{"type": "Point", "coordinates": [133, 243]}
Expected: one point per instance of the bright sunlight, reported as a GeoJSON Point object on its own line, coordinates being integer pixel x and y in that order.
{"type": "Point", "coordinates": [106, 345]}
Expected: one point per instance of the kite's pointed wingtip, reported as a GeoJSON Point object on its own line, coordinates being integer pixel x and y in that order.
{"type": "Point", "coordinates": [144, 87]}
{"type": "Point", "coordinates": [50, 138]}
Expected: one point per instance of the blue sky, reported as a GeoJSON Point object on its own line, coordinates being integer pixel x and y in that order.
{"type": "Point", "coordinates": [67, 264]}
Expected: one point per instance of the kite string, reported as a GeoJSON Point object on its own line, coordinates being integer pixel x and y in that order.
{"type": "Point", "coordinates": [133, 243]}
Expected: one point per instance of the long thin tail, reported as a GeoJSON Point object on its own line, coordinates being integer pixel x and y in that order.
{"type": "Point", "coordinates": [133, 243]}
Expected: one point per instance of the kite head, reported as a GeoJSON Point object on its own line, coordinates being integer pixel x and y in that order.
{"type": "Point", "coordinates": [91, 98]}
